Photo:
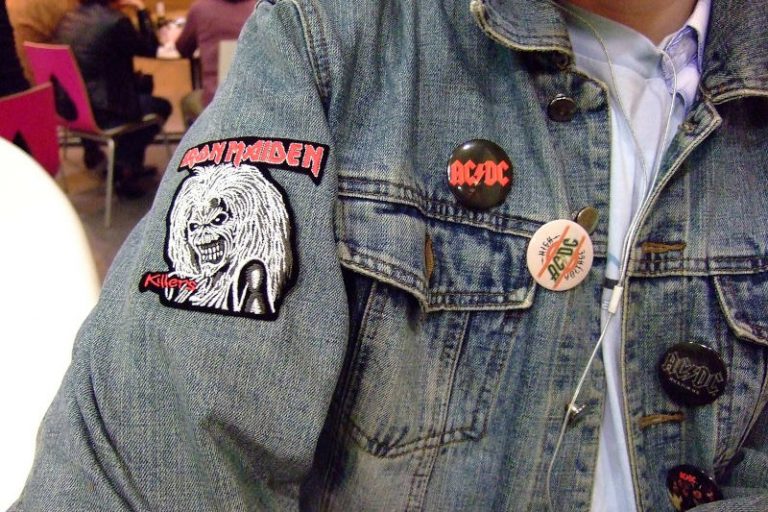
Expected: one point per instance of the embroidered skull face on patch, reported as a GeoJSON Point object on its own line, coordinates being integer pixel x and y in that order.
{"type": "Point", "coordinates": [229, 242]}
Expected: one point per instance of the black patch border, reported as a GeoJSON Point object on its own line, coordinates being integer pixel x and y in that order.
{"type": "Point", "coordinates": [289, 283]}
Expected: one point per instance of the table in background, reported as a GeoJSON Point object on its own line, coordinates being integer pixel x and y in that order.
{"type": "Point", "coordinates": [173, 81]}
{"type": "Point", "coordinates": [170, 5]}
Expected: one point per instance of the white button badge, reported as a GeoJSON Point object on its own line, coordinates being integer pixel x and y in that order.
{"type": "Point", "coordinates": [560, 255]}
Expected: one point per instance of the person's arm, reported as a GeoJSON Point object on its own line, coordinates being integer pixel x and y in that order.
{"type": "Point", "coordinates": [175, 400]}
{"type": "Point", "coordinates": [745, 481]}
{"type": "Point", "coordinates": [142, 43]}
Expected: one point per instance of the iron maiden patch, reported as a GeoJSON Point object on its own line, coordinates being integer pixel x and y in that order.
{"type": "Point", "coordinates": [230, 240]}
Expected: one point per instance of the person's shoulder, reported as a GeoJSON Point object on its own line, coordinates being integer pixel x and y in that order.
{"type": "Point", "coordinates": [343, 14]}
{"type": "Point", "coordinates": [203, 5]}
{"type": "Point", "coordinates": [367, 12]}
{"type": "Point", "coordinates": [103, 13]}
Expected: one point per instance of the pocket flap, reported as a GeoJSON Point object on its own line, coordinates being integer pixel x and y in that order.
{"type": "Point", "coordinates": [744, 299]}
{"type": "Point", "coordinates": [445, 265]}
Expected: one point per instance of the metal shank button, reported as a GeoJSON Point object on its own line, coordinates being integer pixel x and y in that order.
{"type": "Point", "coordinates": [561, 109]}
{"type": "Point", "coordinates": [587, 218]}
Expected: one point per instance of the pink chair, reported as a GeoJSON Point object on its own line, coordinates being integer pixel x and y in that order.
{"type": "Point", "coordinates": [28, 118]}
{"type": "Point", "coordinates": [56, 63]}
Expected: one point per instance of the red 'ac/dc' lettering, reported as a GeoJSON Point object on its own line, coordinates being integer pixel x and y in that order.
{"type": "Point", "coordinates": [471, 174]}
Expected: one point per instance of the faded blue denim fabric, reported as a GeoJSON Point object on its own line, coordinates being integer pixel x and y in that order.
{"type": "Point", "coordinates": [414, 365]}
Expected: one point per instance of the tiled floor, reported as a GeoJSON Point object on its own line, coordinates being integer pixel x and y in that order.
{"type": "Point", "coordinates": [86, 191]}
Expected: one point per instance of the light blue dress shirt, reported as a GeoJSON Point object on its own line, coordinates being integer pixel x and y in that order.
{"type": "Point", "coordinates": [646, 90]}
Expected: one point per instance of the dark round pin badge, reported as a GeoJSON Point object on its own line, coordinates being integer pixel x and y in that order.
{"type": "Point", "coordinates": [480, 174]}
{"type": "Point", "coordinates": [692, 374]}
{"type": "Point", "coordinates": [688, 487]}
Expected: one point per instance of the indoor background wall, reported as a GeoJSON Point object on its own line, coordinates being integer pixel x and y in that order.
{"type": "Point", "coordinates": [170, 5]}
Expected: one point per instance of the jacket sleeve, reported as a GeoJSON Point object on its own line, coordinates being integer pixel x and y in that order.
{"type": "Point", "coordinates": [200, 400]}
{"type": "Point", "coordinates": [745, 482]}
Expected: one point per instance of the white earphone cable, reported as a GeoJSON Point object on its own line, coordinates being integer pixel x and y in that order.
{"type": "Point", "coordinates": [618, 290]}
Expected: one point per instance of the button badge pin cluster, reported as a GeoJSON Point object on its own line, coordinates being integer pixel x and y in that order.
{"type": "Point", "coordinates": [560, 253]}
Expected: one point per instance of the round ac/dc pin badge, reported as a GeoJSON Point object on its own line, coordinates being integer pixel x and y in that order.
{"type": "Point", "coordinates": [688, 487]}
{"type": "Point", "coordinates": [560, 255]}
{"type": "Point", "coordinates": [692, 374]}
{"type": "Point", "coordinates": [479, 174]}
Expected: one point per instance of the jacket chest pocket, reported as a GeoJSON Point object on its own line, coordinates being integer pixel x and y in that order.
{"type": "Point", "coordinates": [442, 303]}
{"type": "Point", "coordinates": [743, 299]}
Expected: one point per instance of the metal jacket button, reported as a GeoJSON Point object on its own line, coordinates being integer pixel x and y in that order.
{"type": "Point", "coordinates": [587, 218]}
{"type": "Point", "coordinates": [689, 486]}
{"type": "Point", "coordinates": [561, 60]}
{"type": "Point", "coordinates": [561, 108]}
{"type": "Point", "coordinates": [479, 174]}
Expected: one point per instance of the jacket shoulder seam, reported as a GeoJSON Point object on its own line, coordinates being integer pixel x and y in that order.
{"type": "Point", "coordinates": [317, 43]}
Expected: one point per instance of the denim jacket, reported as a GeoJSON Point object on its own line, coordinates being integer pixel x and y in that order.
{"type": "Point", "coordinates": [404, 358]}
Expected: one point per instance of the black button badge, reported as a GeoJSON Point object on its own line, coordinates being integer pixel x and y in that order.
{"type": "Point", "coordinates": [480, 174]}
{"type": "Point", "coordinates": [692, 374]}
{"type": "Point", "coordinates": [688, 487]}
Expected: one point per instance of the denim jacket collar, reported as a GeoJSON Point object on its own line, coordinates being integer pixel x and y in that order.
{"type": "Point", "coordinates": [734, 61]}
{"type": "Point", "coordinates": [535, 25]}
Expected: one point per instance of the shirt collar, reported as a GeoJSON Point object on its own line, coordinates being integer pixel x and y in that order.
{"type": "Point", "coordinates": [734, 62]}
{"type": "Point", "coordinates": [694, 31]}
{"type": "Point", "coordinates": [698, 24]}
{"type": "Point", "coordinates": [686, 51]}
{"type": "Point", "coordinates": [685, 47]}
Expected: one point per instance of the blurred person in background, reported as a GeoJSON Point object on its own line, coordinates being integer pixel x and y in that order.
{"type": "Point", "coordinates": [35, 21]}
{"type": "Point", "coordinates": [11, 75]}
{"type": "Point", "coordinates": [104, 42]}
{"type": "Point", "coordinates": [208, 23]}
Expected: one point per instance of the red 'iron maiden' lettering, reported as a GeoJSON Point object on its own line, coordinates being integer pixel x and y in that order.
{"type": "Point", "coordinates": [470, 173]}
{"type": "Point", "coordinates": [160, 280]}
{"type": "Point", "coordinates": [305, 157]}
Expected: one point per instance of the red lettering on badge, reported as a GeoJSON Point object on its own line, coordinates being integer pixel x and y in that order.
{"type": "Point", "coordinates": [471, 174]}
